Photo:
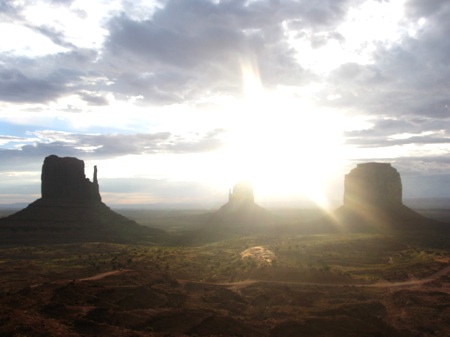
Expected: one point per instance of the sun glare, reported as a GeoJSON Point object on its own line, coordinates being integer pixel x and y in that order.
{"type": "Point", "coordinates": [283, 144]}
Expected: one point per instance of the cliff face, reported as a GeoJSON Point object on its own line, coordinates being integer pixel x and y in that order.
{"type": "Point", "coordinates": [64, 178]}
{"type": "Point", "coordinates": [374, 185]}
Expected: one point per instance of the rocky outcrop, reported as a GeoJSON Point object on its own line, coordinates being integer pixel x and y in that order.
{"type": "Point", "coordinates": [372, 202]}
{"type": "Point", "coordinates": [260, 255]}
{"type": "Point", "coordinates": [70, 210]}
{"type": "Point", "coordinates": [65, 178]}
{"type": "Point", "coordinates": [373, 184]}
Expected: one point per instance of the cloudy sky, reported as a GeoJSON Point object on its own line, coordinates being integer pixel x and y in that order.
{"type": "Point", "coordinates": [176, 100]}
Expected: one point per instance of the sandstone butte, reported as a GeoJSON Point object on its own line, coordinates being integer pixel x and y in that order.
{"type": "Point", "coordinates": [373, 202]}
{"type": "Point", "coordinates": [70, 210]}
{"type": "Point", "coordinates": [239, 216]}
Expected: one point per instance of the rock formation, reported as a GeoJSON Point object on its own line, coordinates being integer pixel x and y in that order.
{"type": "Point", "coordinates": [260, 255]}
{"type": "Point", "coordinates": [372, 202]}
{"type": "Point", "coordinates": [65, 178]}
{"type": "Point", "coordinates": [242, 193]}
{"type": "Point", "coordinates": [373, 184]}
{"type": "Point", "coordinates": [240, 198]}
{"type": "Point", "coordinates": [239, 216]}
{"type": "Point", "coordinates": [70, 210]}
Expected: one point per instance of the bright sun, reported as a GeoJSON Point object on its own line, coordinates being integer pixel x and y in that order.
{"type": "Point", "coordinates": [277, 139]}
{"type": "Point", "coordinates": [282, 144]}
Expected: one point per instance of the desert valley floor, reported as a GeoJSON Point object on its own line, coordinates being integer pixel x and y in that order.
{"type": "Point", "coordinates": [338, 284]}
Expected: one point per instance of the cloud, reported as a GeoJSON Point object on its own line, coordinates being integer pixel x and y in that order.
{"type": "Point", "coordinates": [392, 131]}
{"type": "Point", "coordinates": [85, 146]}
{"type": "Point", "coordinates": [93, 99]}
{"type": "Point", "coordinates": [404, 91]}
{"type": "Point", "coordinates": [418, 9]}
{"type": "Point", "coordinates": [57, 37]}
{"type": "Point", "coordinates": [43, 79]}
{"type": "Point", "coordinates": [15, 86]}
{"type": "Point", "coordinates": [13, 12]}
{"type": "Point", "coordinates": [377, 142]}
{"type": "Point", "coordinates": [187, 49]}
{"type": "Point", "coordinates": [181, 51]}
{"type": "Point", "coordinates": [176, 53]}
{"type": "Point", "coordinates": [9, 9]}
{"type": "Point", "coordinates": [410, 77]}
{"type": "Point", "coordinates": [62, 2]}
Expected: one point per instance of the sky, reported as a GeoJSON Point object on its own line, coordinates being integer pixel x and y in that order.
{"type": "Point", "coordinates": [175, 100]}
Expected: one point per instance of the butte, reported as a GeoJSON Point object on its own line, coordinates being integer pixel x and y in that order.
{"type": "Point", "coordinates": [70, 210]}
{"type": "Point", "coordinates": [373, 203]}
{"type": "Point", "coordinates": [239, 216]}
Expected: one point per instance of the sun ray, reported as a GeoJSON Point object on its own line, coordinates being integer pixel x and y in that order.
{"type": "Point", "coordinates": [282, 143]}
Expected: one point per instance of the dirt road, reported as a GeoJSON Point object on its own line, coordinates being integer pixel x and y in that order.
{"type": "Point", "coordinates": [411, 282]}
{"type": "Point", "coordinates": [242, 284]}
{"type": "Point", "coordinates": [91, 278]}
{"type": "Point", "coordinates": [235, 286]}
{"type": "Point", "coordinates": [102, 275]}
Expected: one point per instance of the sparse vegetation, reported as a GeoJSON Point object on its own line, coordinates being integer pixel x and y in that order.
{"type": "Point", "coordinates": [196, 289]}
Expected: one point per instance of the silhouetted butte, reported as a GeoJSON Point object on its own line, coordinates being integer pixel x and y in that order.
{"type": "Point", "coordinates": [239, 216]}
{"type": "Point", "coordinates": [70, 210]}
{"type": "Point", "coordinates": [373, 202]}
